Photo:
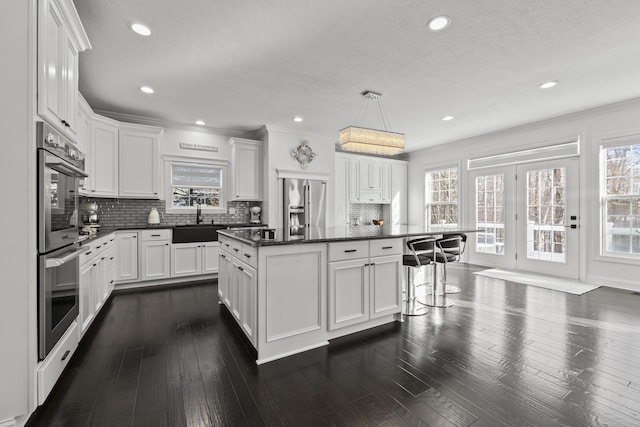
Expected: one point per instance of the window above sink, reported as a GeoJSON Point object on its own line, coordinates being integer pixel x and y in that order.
{"type": "Point", "coordinates": [192, 183]}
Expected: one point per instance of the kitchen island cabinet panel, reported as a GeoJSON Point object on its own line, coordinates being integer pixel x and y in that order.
{"type": "Point", "coordinates": [385, 285]}
{"type": "Point", "coordinates": [348, 293]}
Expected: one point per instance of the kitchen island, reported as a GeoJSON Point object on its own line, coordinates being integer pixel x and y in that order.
{"type": "Point", "coordinates": [297, 291]}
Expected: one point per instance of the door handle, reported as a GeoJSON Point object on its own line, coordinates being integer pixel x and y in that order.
{"type": "Point", "coordinates": [571, 226]}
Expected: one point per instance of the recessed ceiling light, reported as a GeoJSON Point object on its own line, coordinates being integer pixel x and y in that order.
{"type": "Point", "coordinates": [199, 122]}
{"type": "Point", "coordinates": [548, 85]}
{"type": "Point", "coordinates": [298, 119]}
{"type": "Point", "coordinates": [439, 23]}
{"type": "Point", "coordinates": [146, 89]}
{"type": "Point", "coordinates": [141, 29]}
{"type": "Point", "coordinates": [447, 118]}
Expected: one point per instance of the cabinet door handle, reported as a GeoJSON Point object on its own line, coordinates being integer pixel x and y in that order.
{"type": "Point", "coordinates": [111, 258]}
{"type": "Point", "coordinates": [99, 247]}
{"type": "Point", "coordinates": [236, 249]}
{"type": "Point", "coordinates": [387, 247]}
{"type": "Point", "coordinates": [373, 263]}
{"type": "Point", "coordinates": [66, 354]}
{"type": "Point", "coordinates": [166, 244]}
{"type": "Point", "coordinates": [366, 265]}
{"type": "Point", "coordinates": [240, 268]}
{"type": "Point", "coordinates": [155, 235]}
{"type": "Point", "coordinates": [87, 253]}
{"type": "Point", "coordinates": [247, 255]}
{"type": "Point", "coordinates": [102, 259]}
{"type": "Point", "coordinates": [350, 250]}
{"type": "Point", "coordinates": [223, 256]}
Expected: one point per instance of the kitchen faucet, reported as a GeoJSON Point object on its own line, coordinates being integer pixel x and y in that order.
{"type": "Point", "coordinates": [199, 218]}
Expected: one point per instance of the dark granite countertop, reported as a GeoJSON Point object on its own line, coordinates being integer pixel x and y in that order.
{"type": "Point", "coordinates": [337, 234]}
{"type": "Point", "coordinates": [103, 231]}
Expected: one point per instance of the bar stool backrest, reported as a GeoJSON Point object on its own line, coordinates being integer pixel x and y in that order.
{"type": "Point", "coordinates": [453, 244]}
{"type": "Point", "coordinates": [422, 246]}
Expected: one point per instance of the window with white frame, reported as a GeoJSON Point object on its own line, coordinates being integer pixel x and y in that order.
{"type": "Point", "coordinates": [192, 184]}
{"type": "Point", "coordinates": [490, 217]}
{"type": "Point", "coordinates": [441, 197]}
{"type": "Point", "coordinates": [621, 199]}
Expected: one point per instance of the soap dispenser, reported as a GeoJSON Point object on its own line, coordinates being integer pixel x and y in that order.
{"type": "Point", "coordinates": [154, 217]}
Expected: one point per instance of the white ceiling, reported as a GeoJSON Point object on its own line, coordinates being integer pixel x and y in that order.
{"type": "Point", "coordinates": [244, 63]}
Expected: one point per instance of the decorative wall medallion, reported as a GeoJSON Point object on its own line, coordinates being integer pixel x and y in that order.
{"type": "Point", "coordinates": [303, 154]}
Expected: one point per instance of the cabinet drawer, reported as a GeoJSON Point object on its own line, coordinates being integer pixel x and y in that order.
{"type": "Point", "coordinates": [385, 247]}
{"type": "Point", "coordinates": [370, 196]}
{"type": "Point", "coordinates": [250, 255]}
{"type": "Point", "coordinates": [49, 371]}
{"type": "Point", "coordinates": [235, 248]}
{"type": "Point", "coordinates": [150, 235]}
{"type": "Point", "coordinates": [95, 248]}
{"type": "Point", "coordinates": [225, 243]}
{"type": "Point", "coordinates": [342, 251]}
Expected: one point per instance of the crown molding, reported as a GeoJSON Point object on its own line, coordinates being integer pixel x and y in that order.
{"type": "Point", "coordinates": [131, 118]}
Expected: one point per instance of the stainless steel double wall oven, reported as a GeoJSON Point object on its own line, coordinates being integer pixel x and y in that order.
{"type": "Point", "coordinates": [60, 168]}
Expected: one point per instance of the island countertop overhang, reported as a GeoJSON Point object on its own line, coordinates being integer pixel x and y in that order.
{"type": "Point", "coordinates": [337, 234]}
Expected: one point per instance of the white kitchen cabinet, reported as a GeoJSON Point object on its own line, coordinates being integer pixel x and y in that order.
{"type": "Point", "coordinates": [96, 278]}
{"type": "Point", "coordinates": [365, 281]}
{"type": "Point", "coordinates": [396, 211]}
{"type": "Point", "coordinates": [210, 259]}
{"type": "Point", "coordinates": [186, 259]}
{"type": "Point", "coordinates": [248, 300]}
{"type": "Point", "coordinates": [353, 182]}
{"type": "Point", "coordinates": [238, 284]}
{"type": "Point", "coordinates": [342, 190]}
{"type": "Point", "coordinates": [386, 183]}
{"type": "Point", "coordinates": [61, 38]}
{"type": "Point", "coordinates": [127, 256]}
{"type": "Point", "coordinates": [246, 169]}
{"type": "Point", "coordinates": [155, 254]}
{"type": "Point", "coordinates": [103, 158]}
{"type": "Point", "coordinates": [224, 278]}
{"type": "Point", "coordinates": [370, 174]}
{"type": "Point", "coordinates": [348, 293]}
{"type": "Point", "coordinates": [86, 296]}
{"type": "Point", "coordinates": [138, 161]}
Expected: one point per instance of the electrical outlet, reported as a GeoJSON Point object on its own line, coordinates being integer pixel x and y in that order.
{"type": "Point", "coordinates": [232, 210]}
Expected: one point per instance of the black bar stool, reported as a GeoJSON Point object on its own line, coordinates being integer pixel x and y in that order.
{"type": "Point", "coordinates": [422, 254]}
{"type": "Point", "coordinates": [450, 247]}
{"type": "Point", "coordinates": [454, 248]}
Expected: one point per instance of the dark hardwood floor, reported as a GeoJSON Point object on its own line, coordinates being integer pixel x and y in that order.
{"type": "Point", "coordinates": [503, 355]}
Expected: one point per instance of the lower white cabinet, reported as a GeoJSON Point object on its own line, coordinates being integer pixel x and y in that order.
{"type": "Point", "coordinates": [186, 259]}
{"type": "Point", "coordinates": [50, 369]}
{"type": "Point", "coordinates": [238, 290]}
{"type": "Point", "coordinates": [127, 256]}
{"type": "Point", "coordinates": [367, 287]}
{"type": "Point", "coordinates": [97, 278]}
{"type": "Point", "coordinates": [189, 259]}
{"type": "Point", "coordinates": [210, 263]}
{"type": "Point", "coordinates": [155, 254]}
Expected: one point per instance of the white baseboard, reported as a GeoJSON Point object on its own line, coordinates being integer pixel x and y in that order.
{"type": "Point", "coordinates": [613, 283]}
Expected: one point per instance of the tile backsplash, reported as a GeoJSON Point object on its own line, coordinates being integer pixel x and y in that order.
{"type": "Point", "coordinates": [364, 212]}
{"type": "Point", "coordinates": [119, 213]}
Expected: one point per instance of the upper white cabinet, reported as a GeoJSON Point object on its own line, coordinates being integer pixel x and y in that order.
{"type": "Point", "coordinates": [138, 161]}
{"type": "Point", "coordinates": [342, 190]}
{"type": "Point", "coordinates": [246, 169]}
{"type": "Point", "coordinates": [102, 158]}
{"type": "Point", "coordinates": [61, 38]}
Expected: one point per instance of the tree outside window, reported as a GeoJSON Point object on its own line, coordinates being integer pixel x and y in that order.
{"type": "Point", "coordinates": [441, 196]}
{"type": "Point", "coordinates": [621, 199]}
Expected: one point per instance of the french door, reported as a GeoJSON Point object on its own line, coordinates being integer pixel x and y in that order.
{"type": "Point", "coordinates": [548, 235]}
{"type": "Point", "coordinates": [528, 214]}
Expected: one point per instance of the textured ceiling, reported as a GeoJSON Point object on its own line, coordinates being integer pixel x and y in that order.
{"type": "Point", "coordinates": [244, 63]}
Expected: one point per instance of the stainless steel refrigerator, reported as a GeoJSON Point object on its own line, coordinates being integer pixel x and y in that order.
{"type": "Point", "coordinates": [305, 205]}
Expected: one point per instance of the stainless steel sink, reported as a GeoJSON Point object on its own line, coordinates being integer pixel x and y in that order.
{"type": "Point", "coordinates": [196, 233]}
